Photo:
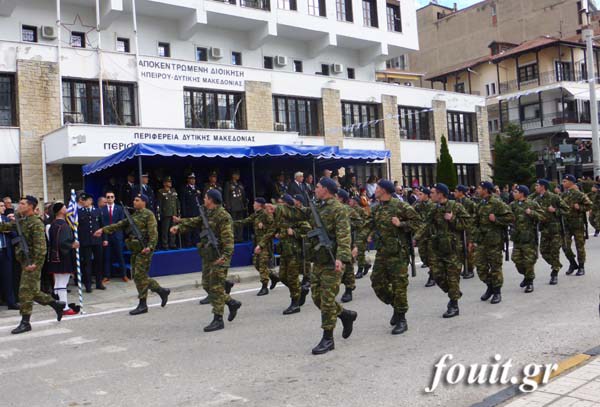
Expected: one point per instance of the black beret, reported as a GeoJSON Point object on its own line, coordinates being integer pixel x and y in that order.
{"type": "Point", "coordinates": [425, 190]}
{"type": "Point", "coordinates": [261, 201]}
{"type": "Point", "coordinates": [287, 198]}
{"type": "Point", "coordinates": [215, 196]}
{"type": "Point", "coordinates": [387, 186]}
{"type": "Point", "coordinates": [462, 188]}
{"type": "Point", "coordinates": [523, 189]}
{"type": "Point", "coordinates": [342, 193]}
{"type": "Point", "coordinates": [299, 197]}
{"type": "Point", "coordinates": [329, 184]}
{"type": "Point", "coordinates": [143, 197]}
{"type": "Point", "coordinates": [543, 182]}
{"type": "Point", "coordinates": [487, 185]}
{"type": "Point", "coordinates": [442, 188]}
{"type": "Point", "coordinates": [570, 177]}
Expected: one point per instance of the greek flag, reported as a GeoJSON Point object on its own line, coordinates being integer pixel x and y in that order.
{"type": "Point", "coordinates": [72, 211]}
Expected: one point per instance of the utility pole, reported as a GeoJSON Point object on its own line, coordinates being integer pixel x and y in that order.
{"type": "Point", "coordinates": [588, 35]}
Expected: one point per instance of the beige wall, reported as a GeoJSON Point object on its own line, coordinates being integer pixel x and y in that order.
{"type": "Point", "coordinates": [259, 106]}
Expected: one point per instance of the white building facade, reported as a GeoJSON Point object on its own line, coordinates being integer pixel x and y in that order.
{"type": "Point", "coordinates": [83, 79]}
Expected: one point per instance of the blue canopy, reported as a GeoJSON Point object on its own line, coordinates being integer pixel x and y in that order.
{"type": "Point", "coordinates": [171, 150]}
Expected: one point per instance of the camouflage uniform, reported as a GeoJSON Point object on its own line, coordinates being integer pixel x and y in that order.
{"type": "Point", "coordinates": [356, 223]}
{"type": "Point", "coordinates": [213, 275]}
{"type": "Point", "coordinates": [524, 234]}
{"type": "Point", "coordinates": [29, 289]}
{"type": "Point", "coordinates": [551, 239]}
{"type": "Point", "coordinates": [263, 225]}
{"type": "Point", "coordinates": [575, 223]}
{"type": "Point", "coordinates": [595, 212]}
{"type": "Point", "coordinates": [140, 263]}
{"type": "Point", "coordinates": [471, 208]}
{"type": "Point", "coordinates": [489, 238]}
{"type": "Point", "coordinates": [361, 242]}
{"type": "Point", "coordinates": [169, 207]}
{"type": "Point", "coordinates": [424, 209]}
{"type": "Point", "coordinates": [390, 271]}
{"type": "Point", "coordinates": [325, 281]}
{"type": "Point", "coordinates": [445, 242]}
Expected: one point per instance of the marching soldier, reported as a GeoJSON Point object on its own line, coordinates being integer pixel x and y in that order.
{"type": "Point", "coordinates": [551, 235]}
{"type": "Point", "coordinates": [361, 241]}
{"type": "Point", "coordinates": [356, 222]}
{"type": "Point", "coordinates": [446, 222]}
{"type": "Point", "coordinates": [492, 218]}
{"type": "Point", "coordinates": [212, 183]}
{"type": "Point", "coordinates": [31, 262]}
{"type": "Point", "coordinates": [236, 203]}
{"type": "Point", "coordinates": [461, 197]}
{"type": "Point", "coordinates": [328, 265]}
{"type": "Point", "coordinates": [215, 261]}
{"type": "Point", "coordinates": [528, 214]}
{"type": "Point", "coordinates": [168, 202]}
{"type": "Point", "coordinates": [141, 251]}
{"type": "Point", "coordinates": [595, 212]}
{"type": "Point", "coordinates": [263, 225]}
{"type": "Point", "coordinates": [191, 197]}
{"type": "Point", "coordinates": [575, 222]}
{"type": "Point", "coordinates": [305, 269]}
{"type": "Point", "coordinates": [424, 207]}
{"type": "Point", "coordinates": [391, 223]}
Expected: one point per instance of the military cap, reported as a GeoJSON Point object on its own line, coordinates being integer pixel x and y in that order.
{"type": "Point", "coordinates": [570, 177]}
{"type": "Point", "coordinates": [425, 190]}
{"type": "Point", "coordinates": [235, 171]}
{"type": "Point", "coordinates": [462, 188]}
{"type": "Point", "coordinates": [543, 182]}
{"type": "Point", "coordinates": [387, 186]}
{"type": "Point", "coordinates": [32, 200]}
{"type": "Point", "coordinates": [523, 189]}
{"type": "Point", "coordinates": [215, 195]}
{"type": "Point", "coordinates": [145, 174]}
{"type": "Point", "coordinates": [212, 174]}
{"type": "Point", "coordinates": [167, 179]}
{"type": "Point", "coordinates": [287, 198]}
{"type": "Point", "coordinates": [84, 196]}
{"type": "Point", "coordinates": [342, 193]}
{"type": "Point", "coordinates": [57, 207]}
{"type": "Point", "coordinates": [442, 188]}
{"type": "Point", "coordinates": [487, 185]}
{"type": "Point", "coordinates": [299, 197]}
{"type": "Point", "coordinates": [191, 175]}
{"type": "Point", "coordinates": [261, 201]}
{"type": "Point", "coordinates": [143, 197]}
{"type": "Point", "coordinates": [329, 184]}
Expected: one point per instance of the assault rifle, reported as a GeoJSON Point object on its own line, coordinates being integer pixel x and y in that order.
{"type": "Point", "coordinates": [137, 233]}
{"type": "Point", "coordinates": [207, 231]}
{"type": "Point", "coordinates": [319, 232]}
{"type": "Point", "coordinates": [563, 231]}
{"type": "Point", "coordinates": [20, 240]}
{"type": "Point", "coordinates": [506, 238]}
{"type": "Point", "coordinates": [585, 222]}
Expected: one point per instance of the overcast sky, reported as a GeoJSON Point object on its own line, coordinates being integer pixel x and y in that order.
{"type": "Point", "coordinates": [449, 3]}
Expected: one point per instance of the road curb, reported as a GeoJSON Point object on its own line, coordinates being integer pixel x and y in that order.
{"type": "Point", "coordinates": [564, 365]}
{"type": "Point", "coordinates": [237, 277]}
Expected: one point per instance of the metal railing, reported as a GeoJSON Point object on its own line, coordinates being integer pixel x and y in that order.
{"type": "Point", "coordinates": [257, 4]}
{"type": "Point", "coordinates": [545, 78]}
{"type": "Point", "coordinates": [553, 119]}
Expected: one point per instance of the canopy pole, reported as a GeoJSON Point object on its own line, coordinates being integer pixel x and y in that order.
{"type": "Point", "coordinates": [315, 180]}
{"type": "Point", "coordinates": [389, 168]}
{"type": "Point", "coordinates": [140, 169]}
{"type": "Point", "coordinates": [253, 180]}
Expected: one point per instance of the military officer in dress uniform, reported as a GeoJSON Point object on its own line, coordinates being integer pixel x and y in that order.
{"type": "Point", "coordinates": [168, 206]}
{"type": "Point", "coordinates": [147, 190]}
{"type": "Point", "coordinates": [236, 203]}
{"type": "Point", "coordinates": [191, 198]}
{"type": "Point", "coordinates": [212, 183]}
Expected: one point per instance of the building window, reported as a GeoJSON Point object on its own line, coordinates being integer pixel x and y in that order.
{"type": "Point", "coordinates": [343, 10]}
{"type": "Point", "coordinates": [298, 66]}
{"type": "Point", "coordinates": [287, 5]}
{"type": "Point", "coordinates": [358, 120]}
{"type": "Point", "coordinates": [257, 4]}
{"type": "Point", "coordinates": [81, 101]}
{"type": "Point", "coordinates": [461, 127]}
{"type": "Point", "coordinates": [77, 39]}
{"type": "Point", "coordinates": [400, 62]}
{"type": "Point", "coordinates": [416, 175]}
{"type": "Point", "coordinates": [459, 87]}
{"type": "Point", "coordinates": [490, 89]}
{"type": "Point", "coordinates": [317, 8]}
{"type": "Point", "coordinates": [29, 33]}
{"type": "Point", "coordinates": [164, 49]}
{"type": "Point", "coordinates": [530, 112]}
{"type": "Point", "coordinates": [296, 114]}
{"type": "Point", "coordinates": [467, 174]}
{"type": "Point", "coordinates": [394, 23]}
{"type": "Point", "coordinates": [268, 62]}
{"type": "Point", "coordinates": [119, 104]}
{"type": "Point", "coordinates": [236, 58]}
{"type": "Point", "coordinates": [201, 54]}
{"type": "Point", "coordinates": [8, 116]}
{"type": "Point", "coordinates": [324, 70]}
{"type": "Point", "coordinates": [351, 73]}
{"type": "Point", "coordinates": [528, 73]}
{"type": "Point", "coordinates": [370, 13]}
{"type": "Point", "coordinates": [414, 123]}
{"type": "Point", "coordinates": [207, 109]}
{"type": "Point", "coordinates": [123, 45]}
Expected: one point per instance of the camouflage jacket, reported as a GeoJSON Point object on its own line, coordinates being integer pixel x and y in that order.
{"type": "Point", "coordinates": [524, 229]}
{"type": "Point", "coordinates": [220, 222]}
{"type": "Point", "coordinates": [486, 231]}
{"type": "Point", "coordinates": [391, 240]}
{"type": "Point", "coordinates": [146, 223]}
{"type": "Point", "coordinates": [337, 226]}
{"type": "Point", "coordinates": [575, 217]}
{"type": "Point", "coordinates": [168, 202]}
{"type": "Point", "coordinates": [290, 217]}
{"type": "Point", "coordinates": [356, 224]}
{"type": "Point", "coordinates": [263, 225]}
{"type": "Point", "coordinates": [35, 236]}
{"type": "Point", "coordinates": [595, 199]}
{"type": "Point", "coordinates": [469, 205]}
{"type": "Point", "coordinates": [550, 223]}
{"type": "Point", "coordinates": [445, 236]}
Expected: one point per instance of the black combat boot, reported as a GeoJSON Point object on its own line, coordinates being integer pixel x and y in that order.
{"type": "Point", "coordinates": [488, 293]}
{"type": "Point", "coordinates": [497, 296]}
{"type": "Point", "coordinates": [24, 325]}
{"type": "Point", "coordinates": [424, 266]}
{"type": "Point", "coordinates": [394, 318]}
{"type": "Point", "coordinates": [205, 300]}
{"type": "Point", "coordinates": [366, 270]}
{"type": "Point", "coordinates": [303, 293]}
{"type": "Point", "coordinates": [554, 278]}
{"type": "Point", "coordinates": [263, 290]}
{"type": "Point", "coordinates": [164, 295]}
{"type": "Point", "coordinates": [401, 325]}
{"type": "Point", "coordinates": [326, 343]}
{"type": "Point", "coordinates": [58, 307]}
{"type": "Point", "coordinates": [274, 280]}
{"type": "Point", "coordinates": [523, 283]}
{"type": "Point", "coordinates": [347, 317]}
{"type": "Point", "coordinates": [234, 306]}
{"type": "Point", "coordinates": [216, 324]}
{"type": "Point", "coordinates": [228, 286]}
{"type": "Point", "coordinates": [430, 281]}
{"type": "Point", "coordinates": [529, 286]}
{"type": "Point", "coordinates": [359, 272]}
{"type": "Point", "coordinates": [292, 309]}
{"type": "Point", "coordinates": [581, 271]}
{"type": "Point", "coordinates": [452, 310]}
{"type": "Point", "coordinates": [347, 297]}
{"type": "Point", "coordinates": [142, 308]}
{"type": "Point", "coordinates": [572, 267]}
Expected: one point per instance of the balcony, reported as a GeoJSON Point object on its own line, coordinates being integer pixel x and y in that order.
{"type": "Point", "coordinates": [256, 4]}
{"type": "Point", "coordinates": [545, 78]}
{"type": "Point", "coordinates": [554, 119]}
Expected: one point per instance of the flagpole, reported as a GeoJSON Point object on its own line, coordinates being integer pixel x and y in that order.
{"type": "Point", "coordinates": [74, 222]}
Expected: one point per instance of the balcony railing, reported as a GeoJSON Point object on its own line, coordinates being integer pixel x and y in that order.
{"type": "Point", "coordinates": [554, 119]}
{"type": "Point", "coordinates": [545, 78]}
{"type": "Point", "coordinates": [257, 4]}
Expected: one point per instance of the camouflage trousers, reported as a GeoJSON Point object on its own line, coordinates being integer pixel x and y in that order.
{"type": "Point", "coordinates": [550, 244]}
{"type": "Point", "coordinates": [289, 274]}
{"type": "Point", "coordinates": [361, 258]}
{"type": "Point", "coordinates": [324, 287]}
{"type": "Point", "coordinates": [29, 291]}
{"type": "Point", "coordinates": [577, 234]}
{"type": "Point", "coordinates": [424, 252]}
{"type": "Point", "coordinates": [470, 258]}
{"type": "Point", "coordinates": [488, 260]}
{"type": "Point", "coordinates": [348, 278]}
{"type": "Point", "coordinates": [213, 281]}
{"type": "Point", "coordinates": [140, 264]}
{"type": "Point", "coordinates": [390, 281]}
{"type": "Point", "coordinates": [446, 273]}
{"type": "Point", "coordinates": [525, 256]}
{"type": "Point", "coordinates": [261, 264]}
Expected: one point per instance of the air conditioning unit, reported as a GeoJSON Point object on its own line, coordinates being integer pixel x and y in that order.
{"type": "Point", "coordinates": [280, 127]}
{"type": "Point", "coordinates": [216, 53]}
{"type": "Point", "coordinates": [281, 60]}
{"type": "Point", "coordinates": [337, 68]}
{"type": "Point", "coordinates": [225, 124]}
{"type": "Point", "coordinates": [408, 84]}
{"type": "Point", "coordinates": [48, 32]}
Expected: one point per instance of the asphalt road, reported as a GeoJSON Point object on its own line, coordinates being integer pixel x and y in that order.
{"type": "Point", "coordinates": [263, 358]}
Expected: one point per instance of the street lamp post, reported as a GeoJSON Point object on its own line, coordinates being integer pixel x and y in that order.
{"type": "Point", "coordinates": [588, 34]}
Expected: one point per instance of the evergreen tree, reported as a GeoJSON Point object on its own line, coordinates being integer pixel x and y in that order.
{"type": "Point", "coordinates": [514, 162]}
{"type": "Point", "coordinates": [446, 170]}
